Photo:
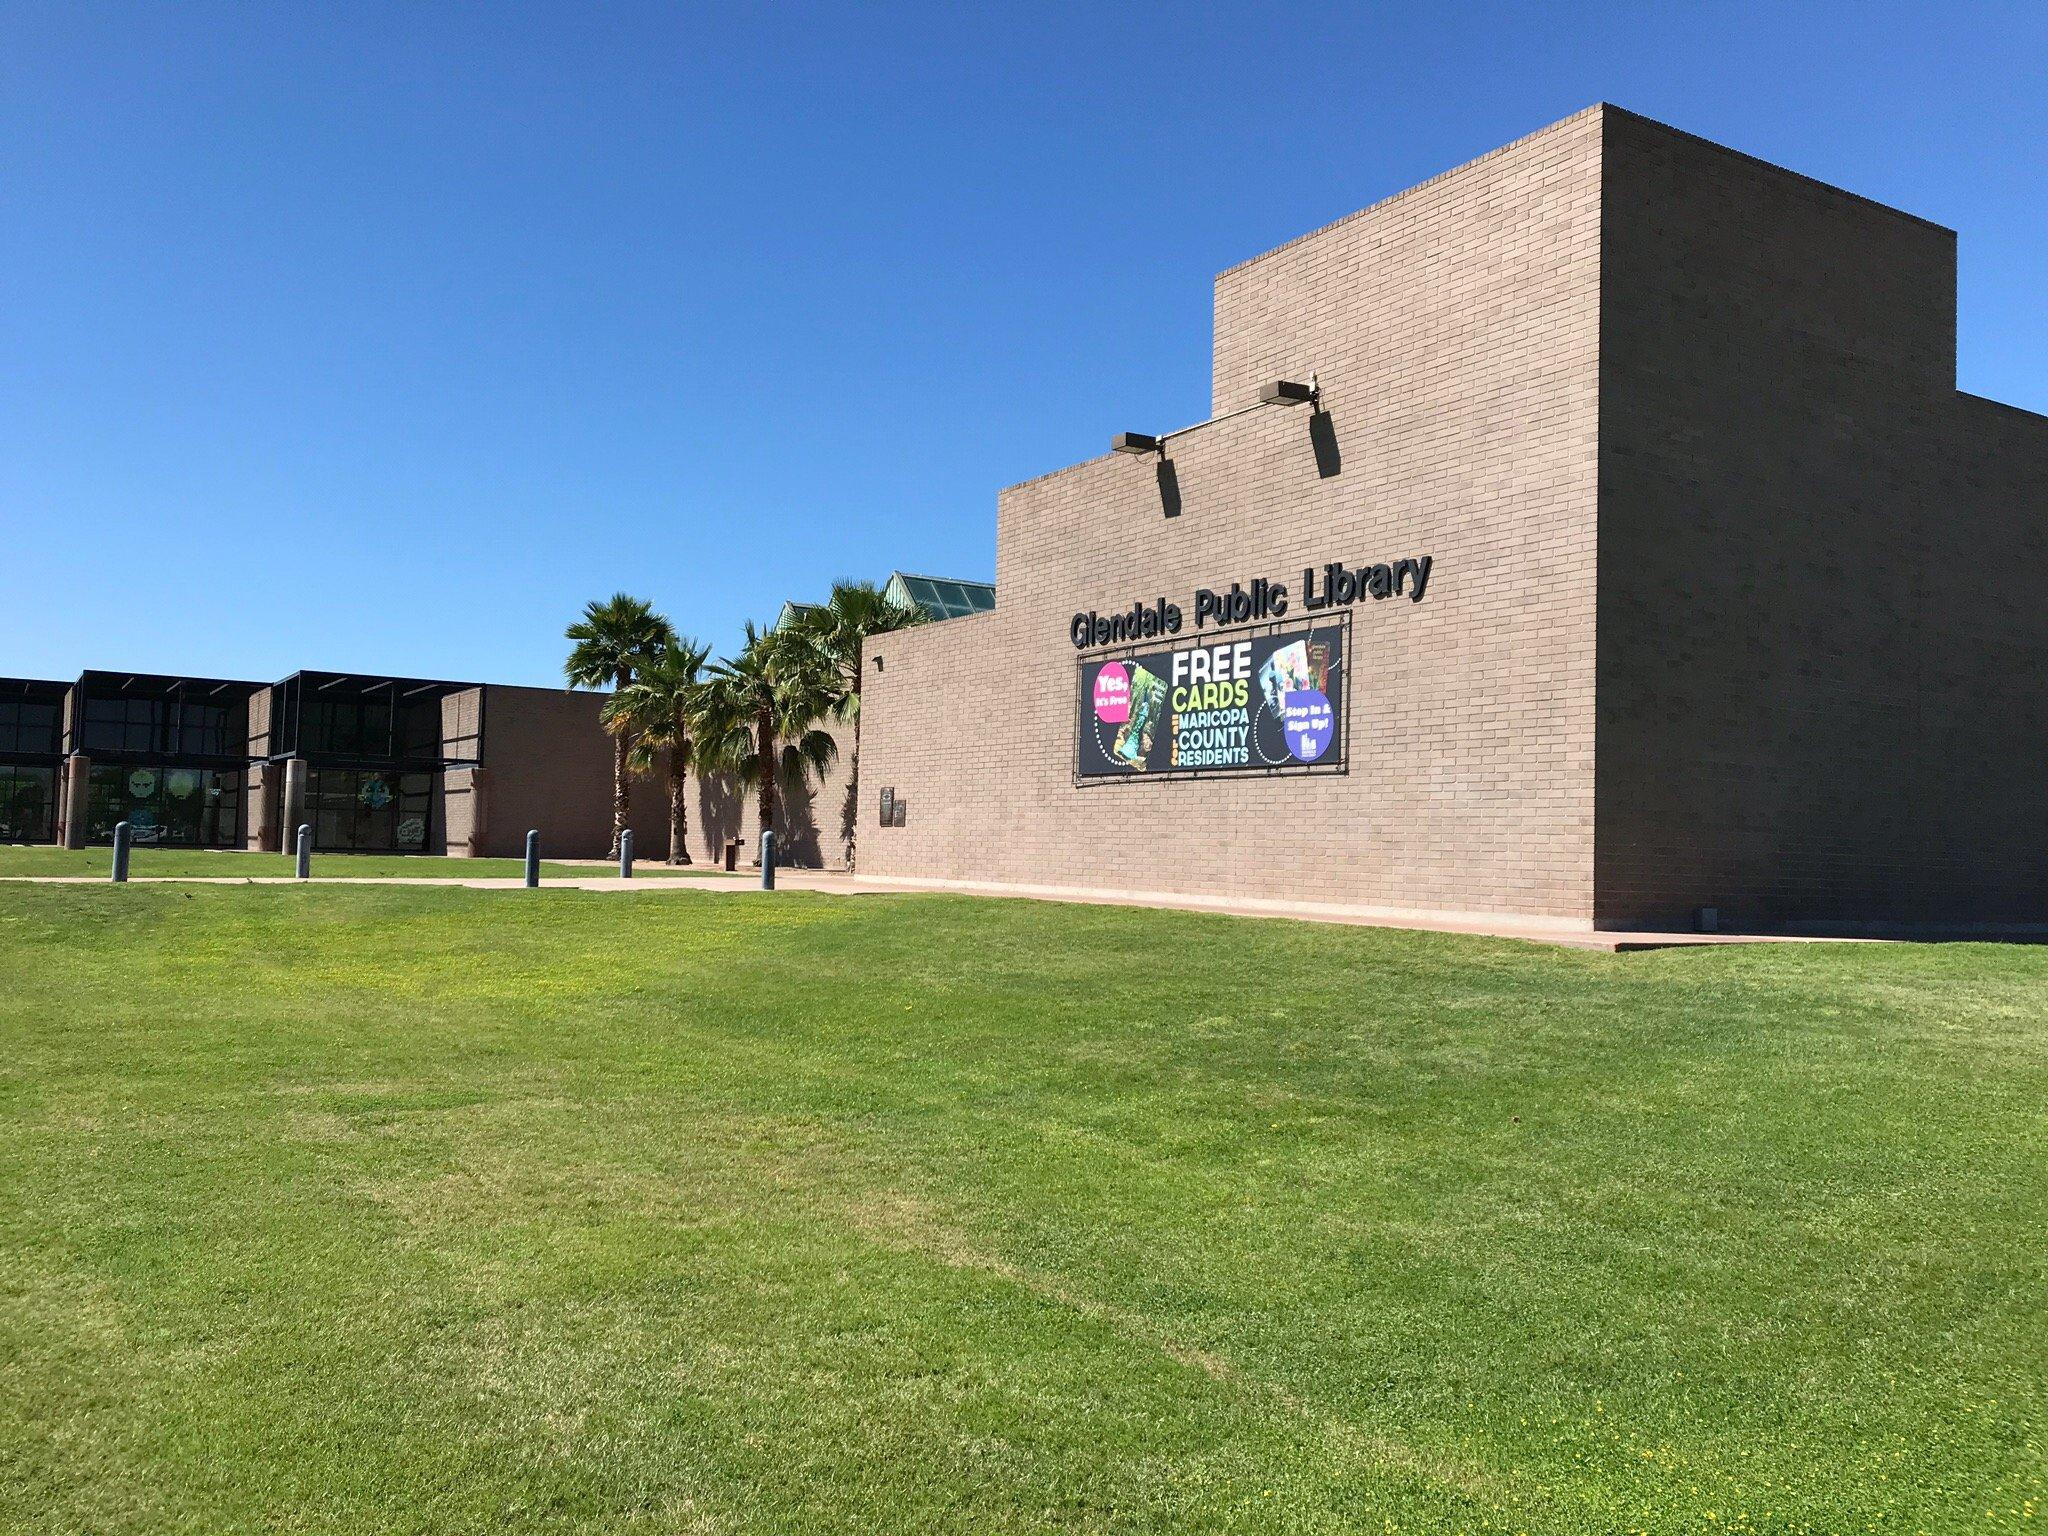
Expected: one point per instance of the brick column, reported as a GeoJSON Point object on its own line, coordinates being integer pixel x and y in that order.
{"type": "Point", "coordinates": [72, 799]}
{"type": "Point", "coordinates": [465, 803]}
{"type": "Point", "coordinates": [262, 829]}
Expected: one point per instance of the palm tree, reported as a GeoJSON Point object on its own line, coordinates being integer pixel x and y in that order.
{"type": "Point", "coordinates": [759, 714]}
{"type": "Point", "coordinates": [609, 645]}
{"type": "Point", "coordinates": [656, 712]}
{"type": "Point", "coordinates": [855, 612]}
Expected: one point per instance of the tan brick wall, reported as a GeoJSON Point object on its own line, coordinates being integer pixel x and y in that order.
{"type": "Point", "coordinates": [1821, 630]}
{"type": "Point", "coordinates": [547, 765]}
{"type": "Point", "coordinates": [1610, 372]}
{"type": "Point", "coordinates": [810, 820]}
{"type": "Point", "coordinates": [1454, 330]}
{"type": "Point", "coordinates": [260, 799]}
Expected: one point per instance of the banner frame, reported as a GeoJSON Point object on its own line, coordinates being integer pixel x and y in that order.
{"type": "Point", "coordinates": [1130, 650]}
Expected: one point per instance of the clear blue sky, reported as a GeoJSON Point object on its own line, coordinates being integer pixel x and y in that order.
{"type": "Point", "coordinates": [382, 338]}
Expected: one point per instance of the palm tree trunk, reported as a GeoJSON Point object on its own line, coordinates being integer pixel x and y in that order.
{"type": "Point", "coordinates": [764, 752]}
{"type": "Point", "coordinates": [853, 784]}
{"type": "Point", "coordinates": [678, 810]}
{"type": "Point", "coordinates": [621, 809]}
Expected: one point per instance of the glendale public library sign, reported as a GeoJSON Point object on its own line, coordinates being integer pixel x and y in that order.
{"type": "Point", "coordinates": [1193, 709]}
{"type": "Point", "coordinates": [1263, 599]}
{"type": "Point", "coordinates": [1650, 436]}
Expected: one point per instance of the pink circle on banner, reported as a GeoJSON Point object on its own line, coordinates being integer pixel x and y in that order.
{"type": "Point", "coordinates": [1113, 693]}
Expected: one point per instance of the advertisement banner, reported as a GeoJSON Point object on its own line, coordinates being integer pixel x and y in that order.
{"type": "Point", "coordinates": [1245, 703]}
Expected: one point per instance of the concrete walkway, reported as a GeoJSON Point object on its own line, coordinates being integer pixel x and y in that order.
{"type": "Point", "coordinates": [1539, 931]}
{"type": "Point", "coordinates": [1535, 930]}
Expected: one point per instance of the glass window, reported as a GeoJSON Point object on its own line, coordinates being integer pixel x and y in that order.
{"type": "Point", "coordinates": [41, 720]}
{"type": "Point", "coordinates": [946, 599]}
{"type": "Point", "coordinates": [316, 725]}
{"type": "Point", "coordinates": [197, 726]}
{"type": "Point", "coordinates": [415, 810]}
{"type": "Point", "coordinates": [104, 725]}
{"type": "Point", "coordinates": [369, 810]}
{"type": "Point", "coordinates": [28, 800]}
{"type": "Point", "coordinates": [30, 725]}
{"type": "Point", "coordinates": [330, 809]}
{"type": "Point", "coordinates": [176, 807]}
{"type": "Point", "coordinates": [123, 725]}
{"type": "Point", "coordinates": [223, 790]}
{"type": "Point", "coordinates": [181, 807]}
{"type": "Point", "coordinates": [379, 725]}
{"type": "Point", "coordinates": [419, 727]}
{"type": "Point", "coordinates": [212, 728]}
{"type": "Point", "coordinates": [347, 727]}
{"type": "Point", "coordinates": [118, 792]}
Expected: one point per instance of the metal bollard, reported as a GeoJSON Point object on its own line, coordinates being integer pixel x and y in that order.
{"type": "Point", "coordinates": [305, 853]}
{"type": "Point", "coordinates": [626, 854]}
{"type": "Point", "coordinates": [532, 859]}
{"type": "Point", "coordinates": [121, 839]}
{"type": "Point", "coordinates": [767, 861]}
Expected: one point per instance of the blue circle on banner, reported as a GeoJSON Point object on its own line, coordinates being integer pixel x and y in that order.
{"type": "Point", "coordinates": [1310, 723]}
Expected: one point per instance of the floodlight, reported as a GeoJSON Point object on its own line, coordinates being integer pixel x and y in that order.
{"type": "Point", "coordinates": [1287, 392]}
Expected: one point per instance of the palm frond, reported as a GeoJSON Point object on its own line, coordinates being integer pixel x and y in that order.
{"type": "Point", "coordinates": [613, 640]}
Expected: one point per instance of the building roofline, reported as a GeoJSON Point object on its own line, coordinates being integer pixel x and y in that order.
{"type": "Point", "coordinates": [1600, 109]}
{"type": "Point", "coordinates": [1781, 170]}
{"type": "Point", "coordinates": [180, 679]}
{"type": "Point", "coordinates": [1409, 191]}
{"type": "Point", "coordinates": [958, 581]}
{"type": "Point", "coordinates": [372, 680]}
{"type": "Point", "coordinates": [2006, 405]}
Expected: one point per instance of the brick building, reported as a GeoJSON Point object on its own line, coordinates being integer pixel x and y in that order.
{"type": "Point", "coordinates": [1636, 534]}
{"type": "Point", "coordinates": [378, 764]}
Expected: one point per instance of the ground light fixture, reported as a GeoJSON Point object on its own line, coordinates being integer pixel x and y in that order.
{"type": "Point", "coordinates": [1279, 392]}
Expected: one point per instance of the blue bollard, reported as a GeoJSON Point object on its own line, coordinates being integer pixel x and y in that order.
{"type": "Point", "coordinates": [532, 860]}
{"type": "Point", "coordinates": [305, 853]}
{"type": "Point", "coordinates": [767, 861]}
{"type": "Point", "coordinates": [626, 854]}
{"type": "Point", "coordinates": [121, 839]}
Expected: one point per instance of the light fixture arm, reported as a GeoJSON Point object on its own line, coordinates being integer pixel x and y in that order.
{"type": "Point", "coordinates": [1284, 392]}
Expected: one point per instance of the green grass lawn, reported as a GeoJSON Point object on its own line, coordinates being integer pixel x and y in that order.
{"type": "Point", "coordinates": [222, 863]}
{"type": "Point", "coordinates": [373, 1209]}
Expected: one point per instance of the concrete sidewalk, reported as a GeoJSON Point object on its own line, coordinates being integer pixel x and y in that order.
{"type": "Point", "coordinates": [1534, 930]}
{"type": "Point", "coordinates": [1537, 931]}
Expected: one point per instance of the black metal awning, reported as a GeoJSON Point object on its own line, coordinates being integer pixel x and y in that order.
{"type": "Point", "coordinates": [159, 685]}
{"type": "Point", "coordinates": [364, 685]}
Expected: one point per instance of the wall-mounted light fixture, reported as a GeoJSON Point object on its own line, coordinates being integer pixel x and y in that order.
{"type": "Point", "coordinates": [1288, 392]}
{"type": "Point", "coordinates": [1279, 392]}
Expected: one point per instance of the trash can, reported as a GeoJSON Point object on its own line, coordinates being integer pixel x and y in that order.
{"type": "Point", "coordinates": [732, 853]}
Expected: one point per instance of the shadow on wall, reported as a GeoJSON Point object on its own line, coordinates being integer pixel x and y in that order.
{"type": "Point", "coordinates": [1322, 437]}
{"type": "Point", "coordinates": [1169, 487]}
{"type": "Point", "coordinates": [725, 810]}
